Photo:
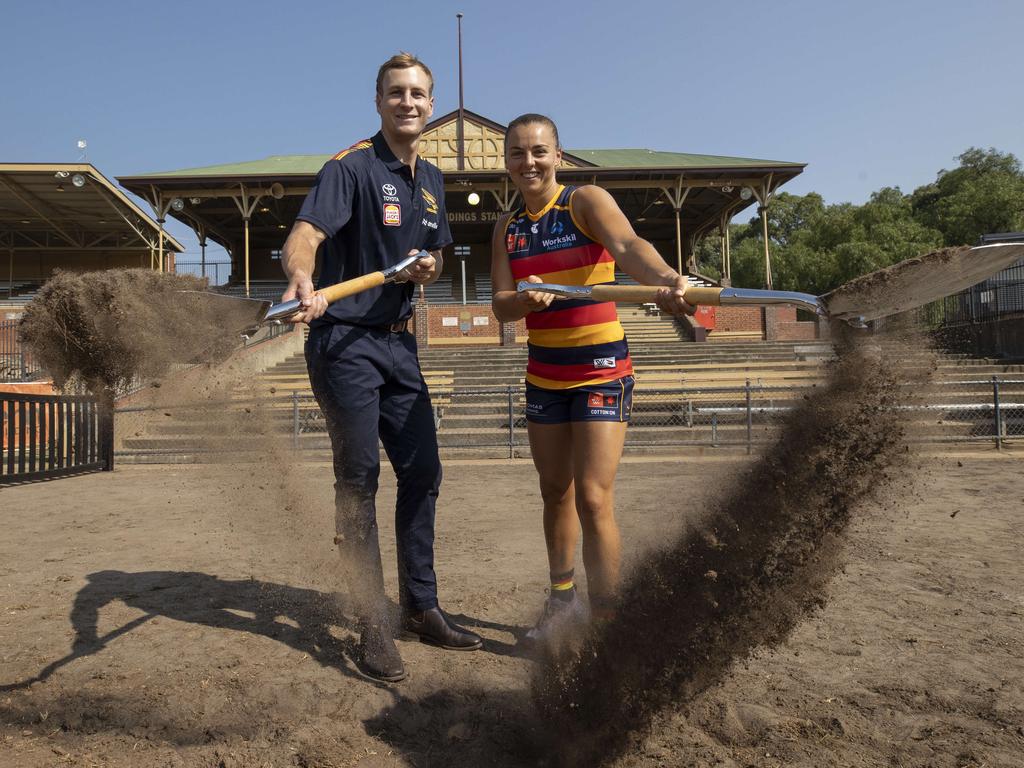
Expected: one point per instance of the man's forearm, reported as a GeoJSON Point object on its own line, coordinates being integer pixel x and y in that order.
{"type": "Point", "coordinates": [298, 256]}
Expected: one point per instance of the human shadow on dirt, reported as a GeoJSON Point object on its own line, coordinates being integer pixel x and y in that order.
{"type": "Point", "coordinates": [246, 605]}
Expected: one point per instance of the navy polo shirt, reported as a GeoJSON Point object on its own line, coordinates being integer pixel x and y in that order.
{"type": "Point", "coordinates": [374, 212]}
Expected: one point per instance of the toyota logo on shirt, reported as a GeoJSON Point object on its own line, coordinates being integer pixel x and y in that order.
{"type": "Point", "coordinates": [390, 193]}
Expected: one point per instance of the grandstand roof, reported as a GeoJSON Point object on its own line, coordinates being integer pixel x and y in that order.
{"type": "Point", "coordinates": [265, 195]}
{"type": "Point", "coordinates": [71, 208]}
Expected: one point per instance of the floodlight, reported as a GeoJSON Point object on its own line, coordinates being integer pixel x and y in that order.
{"type": "Point", "coordinates": [277, 190]}
{"type": "Point", "coordinates": [82, 143]}
{"type": "Point", "coordinates": [746, 193]}
{"type": "Point", "coordinates": [178, 204]}
{"type": "Point", "coordinates": [78, 180]}
{"type": "Point", "coordinates": [473, 198]}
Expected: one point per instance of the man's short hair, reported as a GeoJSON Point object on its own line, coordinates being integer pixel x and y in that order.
{"type": "Point", "coordinates": [531, 118]}
{"type": "Point", "coordinates": [402, 60]}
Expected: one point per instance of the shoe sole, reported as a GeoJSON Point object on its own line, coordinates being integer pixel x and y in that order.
{"type": "Point", "coordinates": [408, 634]}
{"type": "Point", "coordinates": [378, 679]}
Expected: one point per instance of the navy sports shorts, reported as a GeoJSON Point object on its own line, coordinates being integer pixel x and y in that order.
{"type": "Point", "coordinates": [611, 401]}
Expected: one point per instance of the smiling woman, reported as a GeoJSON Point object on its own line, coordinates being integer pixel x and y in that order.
{"type": "Point", "coordinates": [579, 378]}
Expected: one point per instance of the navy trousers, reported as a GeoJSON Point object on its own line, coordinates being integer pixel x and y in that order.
{"type": "Point", "coordinates": [369, 386]}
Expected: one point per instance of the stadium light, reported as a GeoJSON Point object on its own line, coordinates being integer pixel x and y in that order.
{"type": "Point", "coordinates": [746, 193]}
{"type": "Point", "coordinates": [177, 204]}
{"type": "Point", "coordinates": [78, 180]}
{"type": "Point", "coordinates": [473, 198]}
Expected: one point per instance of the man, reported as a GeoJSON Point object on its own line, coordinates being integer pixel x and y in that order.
{"type": "Point", "coordinates": [371, 206]}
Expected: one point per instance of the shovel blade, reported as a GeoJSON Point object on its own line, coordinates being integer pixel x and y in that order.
{"type": "Point", "coordinates": [915, 282]}
{"type": "Point", "coordinates": [234, 313]}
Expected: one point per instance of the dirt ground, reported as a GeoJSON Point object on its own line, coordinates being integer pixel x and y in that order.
{"type": "Point", "coordinates": [184, 616]}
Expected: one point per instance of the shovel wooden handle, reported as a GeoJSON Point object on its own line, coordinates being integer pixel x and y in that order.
{"type": "Point", "coordinates": [647, 293]}
{"type": "Point", "coordinates": [351, 287]}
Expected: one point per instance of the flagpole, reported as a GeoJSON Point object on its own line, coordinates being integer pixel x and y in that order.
{"type": "Point", "coordinates": [461, 125]}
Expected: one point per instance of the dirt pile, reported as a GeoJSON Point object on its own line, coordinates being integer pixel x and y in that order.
{"type": "Point", "coordinates": [106, 328]}
{"type": "Point", "coordinates": [758, 563]}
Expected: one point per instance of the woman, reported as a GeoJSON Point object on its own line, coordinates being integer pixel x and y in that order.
{"type": "Point", "coordinates": [579, 378]}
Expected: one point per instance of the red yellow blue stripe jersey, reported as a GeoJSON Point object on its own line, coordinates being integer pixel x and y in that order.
{"type": "Point", "coordinates": [573, 342]}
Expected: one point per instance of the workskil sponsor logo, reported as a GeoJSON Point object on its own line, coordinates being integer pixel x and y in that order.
{"type": "Point", "coordinates": [604, 362]}
{"type": "Point", "coordinates": [559, 242]}
{"type": "Point", "coordinates": [392, 215]}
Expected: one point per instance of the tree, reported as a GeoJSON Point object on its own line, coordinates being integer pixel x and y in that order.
{"type": "Point", "coordinates": [984, 194]}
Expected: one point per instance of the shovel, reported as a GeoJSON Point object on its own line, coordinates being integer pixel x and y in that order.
{"type": "Point", "coordinates": [249, 315]}
{"type": "Point", "coordinates": [885, 292]}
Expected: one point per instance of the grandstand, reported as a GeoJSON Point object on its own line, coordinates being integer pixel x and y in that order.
{"type": "Point", "coordinates": [687, 394]}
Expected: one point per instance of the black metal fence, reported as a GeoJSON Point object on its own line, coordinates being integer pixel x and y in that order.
{"type": "Point", "coordinates": [999, 296]}
{"type": "Point", "coordinates": [490, 421]}
{"type": "Point", "coordinates": [16, 363]}
{"type": "Point", "coordinates": [217, 272]}
{"type": "Point", "coordinates": [48, 436]}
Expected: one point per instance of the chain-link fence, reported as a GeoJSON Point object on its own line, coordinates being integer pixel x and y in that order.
{"type": "Point", "coordinates": [490, 421]}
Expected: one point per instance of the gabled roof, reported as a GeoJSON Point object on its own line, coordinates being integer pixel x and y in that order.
{"type": "Point", "coordinates": [484, 149]}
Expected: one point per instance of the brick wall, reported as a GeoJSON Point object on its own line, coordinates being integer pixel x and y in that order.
{"type": "Point", "coordinates": [460, 324]}
{"type": "Point", "coordinates": [774, 323]}
{"type": "Point", "coordinates": [738, 319]}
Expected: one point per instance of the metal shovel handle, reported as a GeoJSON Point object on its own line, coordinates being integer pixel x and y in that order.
{"type": "Point", "coordinates": [344, 289]}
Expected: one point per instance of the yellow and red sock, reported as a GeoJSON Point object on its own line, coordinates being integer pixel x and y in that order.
{"type": "Point", "coordinates": [562, 585]}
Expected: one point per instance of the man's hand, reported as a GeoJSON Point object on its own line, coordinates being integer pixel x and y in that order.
{"type": "Point", "coordinates": [313, 304]}
{"type": "Point", "coordinates": [535, 301]}
{"type": "Point", "coordinates": [421, 272]}
{"type": "Point", "coordinates": [671, 299]}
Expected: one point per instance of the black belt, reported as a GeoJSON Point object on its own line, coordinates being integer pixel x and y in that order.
{"type": "Point", "coordinates": [401, 326]}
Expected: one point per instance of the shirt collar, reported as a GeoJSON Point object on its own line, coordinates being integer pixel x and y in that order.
{"type": "Point", "coordinates": [380, 146]}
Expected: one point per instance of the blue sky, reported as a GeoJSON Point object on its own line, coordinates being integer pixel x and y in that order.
{"type": "Point", "coordinates": [868, 93]}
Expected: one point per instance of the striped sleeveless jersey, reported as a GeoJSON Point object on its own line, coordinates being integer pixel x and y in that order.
{"type": "Point", "coordinates": [573, 342]}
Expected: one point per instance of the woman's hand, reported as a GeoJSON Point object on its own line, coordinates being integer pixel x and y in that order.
{"type": "Point", "coordinates": [534, 301]}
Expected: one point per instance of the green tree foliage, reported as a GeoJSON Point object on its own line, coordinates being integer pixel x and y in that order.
{"type": "Point", "coordinates": [985, 193]}
{"type": "Point", "coordinates": [817, 247]}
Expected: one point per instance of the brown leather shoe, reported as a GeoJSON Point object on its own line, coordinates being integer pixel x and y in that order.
{"type": "Point", "coordinates": [436, 628]}
{"type": "Point", "coordinates": [377, 656]}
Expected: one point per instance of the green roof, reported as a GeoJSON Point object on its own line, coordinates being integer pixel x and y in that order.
{"type": "Point", "coordinates": [642, 158]}
{"type": "Point", "coordinates": [603, 158]}
{"type": "Point", "coordinates": [304, 164]}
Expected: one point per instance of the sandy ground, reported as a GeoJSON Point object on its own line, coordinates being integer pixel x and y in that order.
{"type": "Point", "coordinates": [186, 616]}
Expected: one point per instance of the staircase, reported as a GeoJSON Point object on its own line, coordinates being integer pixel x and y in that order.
{"type": "Point", "coordinates": [679, 398]}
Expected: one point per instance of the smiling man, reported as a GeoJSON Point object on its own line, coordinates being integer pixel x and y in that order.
{"type": "Point", "coordinates": [371, 206]}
